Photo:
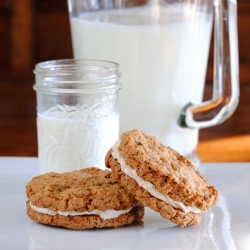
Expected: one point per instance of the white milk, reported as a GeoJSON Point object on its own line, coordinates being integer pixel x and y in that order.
{"type": "Point", "coordinates": [74, 140]}
{"type": "Point", "coordinates": [163, 66]}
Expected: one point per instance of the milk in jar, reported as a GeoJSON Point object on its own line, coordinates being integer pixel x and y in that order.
{"type": "Point", "coordinates": [74, 140]}
{"type": "Point", "coordinates": [163, 54]}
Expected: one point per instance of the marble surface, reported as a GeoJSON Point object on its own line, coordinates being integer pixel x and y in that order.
{"type": "Point", "coordinates": [225, 226]}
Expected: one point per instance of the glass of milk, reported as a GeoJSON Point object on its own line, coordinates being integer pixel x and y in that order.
{"type": "Point", "coordinates": [77, 113]}
{"type": "Point", "coordinates": [162, 48]}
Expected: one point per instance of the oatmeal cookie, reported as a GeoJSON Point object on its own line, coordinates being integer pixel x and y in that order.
{"type": "Point", "coordinates": [160, 178]}
{"type": "Point", "coordinates": [81, 199]}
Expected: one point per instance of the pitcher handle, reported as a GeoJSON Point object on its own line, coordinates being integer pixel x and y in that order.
{"type": "Point", "coordinates": [226, 72]}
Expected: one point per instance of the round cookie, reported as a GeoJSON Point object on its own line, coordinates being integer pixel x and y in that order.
{"type": "Point", "coordinates": [81, 199]}
{"type": "Point", "coordinates": [160, 178]}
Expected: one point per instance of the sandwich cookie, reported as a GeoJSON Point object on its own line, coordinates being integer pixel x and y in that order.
{"type": "Point", "coordinates": [160, 178]}
{"type": "Point", "coordinates": [82, 199]}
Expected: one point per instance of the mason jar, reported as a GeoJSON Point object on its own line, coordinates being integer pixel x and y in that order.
{"type": "Point", "coordinates": [77, 113]}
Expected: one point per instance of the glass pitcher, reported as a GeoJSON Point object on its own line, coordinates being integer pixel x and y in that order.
{"type": "Point", "coordinates": [162, 47]}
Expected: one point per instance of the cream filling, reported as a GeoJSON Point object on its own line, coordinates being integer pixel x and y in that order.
{"type": "Point", "coordinates": [108, 214]}
{"type": "Point", "coordinates": [148, 185]}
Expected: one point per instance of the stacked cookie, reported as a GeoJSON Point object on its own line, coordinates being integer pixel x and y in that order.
{"type": "Point", "coordinates": [81, 199]}
{"type": "Point", "coordinates": [144, 172]}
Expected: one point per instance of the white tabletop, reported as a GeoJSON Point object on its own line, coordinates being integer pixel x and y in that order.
{"type": "Point", "coordinates": [225, 226]}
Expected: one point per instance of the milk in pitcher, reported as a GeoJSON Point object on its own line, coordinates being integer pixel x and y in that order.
{"type": "Point", "coordinates": [163, 66]}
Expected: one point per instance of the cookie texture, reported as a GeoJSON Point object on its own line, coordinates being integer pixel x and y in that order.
{"type": "Point", "coordinates": [171, 173]}
{"type": "Point", "coordinates": [81, 191]}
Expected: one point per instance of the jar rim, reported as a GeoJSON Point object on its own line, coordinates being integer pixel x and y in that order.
{"type": "Point", "coordinates": [72, 65]}
{"type": "Point", "coordinates": [74, 75]}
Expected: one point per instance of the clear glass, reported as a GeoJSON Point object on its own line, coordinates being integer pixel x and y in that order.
{"type": "Point", "coordinates": [77, 113]}
{"type": "Point", "coordinates": [163, 47]}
